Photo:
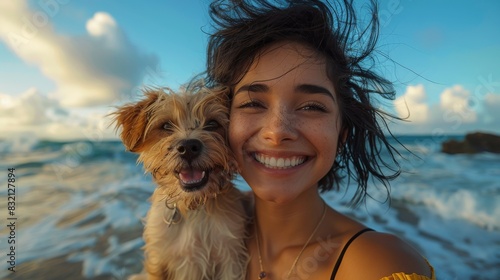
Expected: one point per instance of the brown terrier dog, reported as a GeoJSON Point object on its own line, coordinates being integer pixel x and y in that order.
{"type": "Point", "coordinates": [195, 228]}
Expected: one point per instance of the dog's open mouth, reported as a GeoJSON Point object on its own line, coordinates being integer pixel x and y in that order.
{"type": "Point", "coordinates": [193, 179]}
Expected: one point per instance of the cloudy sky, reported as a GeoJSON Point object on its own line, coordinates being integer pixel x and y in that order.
{"type": "Point", "coordinates": [64, 64]}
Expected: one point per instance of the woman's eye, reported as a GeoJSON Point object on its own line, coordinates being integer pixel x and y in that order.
{"type": "Point", "coordinates": [211, 125]}
{"type": "Point", "coordinates": [251, 104]}
{"type": "Point", "coordinates": [314, 107]}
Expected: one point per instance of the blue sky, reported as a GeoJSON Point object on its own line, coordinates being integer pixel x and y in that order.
{"type": "Point", "coordinates": [64, 64]}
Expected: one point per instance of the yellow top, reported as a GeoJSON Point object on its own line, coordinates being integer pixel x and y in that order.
{"type": "Point", "coordinates": [403, 276]}
{"type": "Point", "coordinates": [414, 276]}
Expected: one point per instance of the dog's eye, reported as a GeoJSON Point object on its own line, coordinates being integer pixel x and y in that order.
{"type": "Point", "coordinates": [168, 126]}
{"type": "Point", "coordinates": [211, 125]}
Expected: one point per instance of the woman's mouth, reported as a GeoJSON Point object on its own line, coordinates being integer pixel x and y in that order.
{"type": "Point", "coordinates": [279, 162]}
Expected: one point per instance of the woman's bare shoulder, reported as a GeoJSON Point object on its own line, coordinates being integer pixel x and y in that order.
{"type": "Point", "coordinates": [374, 255]}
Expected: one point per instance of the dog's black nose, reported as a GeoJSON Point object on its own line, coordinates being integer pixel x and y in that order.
{"type": "Point", "coordinates": [190, 149]}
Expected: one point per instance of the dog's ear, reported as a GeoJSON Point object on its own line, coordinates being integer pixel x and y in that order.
{"type": "Point", "coordinates": [133, 119]}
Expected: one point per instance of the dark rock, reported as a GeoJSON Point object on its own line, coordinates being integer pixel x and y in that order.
{"type": "Point", "coordinates": [476, 142]}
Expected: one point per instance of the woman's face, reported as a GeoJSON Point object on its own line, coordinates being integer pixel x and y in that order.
{"type": "Point", "coordinates": [284, 122]}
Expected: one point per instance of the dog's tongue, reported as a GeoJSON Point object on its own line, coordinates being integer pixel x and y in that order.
{"type": "Point", "coordinates": [190, 175]}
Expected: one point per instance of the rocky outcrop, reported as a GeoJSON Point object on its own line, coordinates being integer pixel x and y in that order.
{"type": "Point", "coordinates": [476, 142]}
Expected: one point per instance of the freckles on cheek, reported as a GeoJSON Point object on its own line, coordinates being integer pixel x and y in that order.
{"type": "Point", "coordinates": [236, 129]}
{"type": "Point", "coordinates": [326, 135]}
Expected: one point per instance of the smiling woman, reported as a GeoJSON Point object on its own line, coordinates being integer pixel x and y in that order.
{"type": "Point", "coordinates": [301, 113]}
{"type": "Point", "coordinates": [279, 113]}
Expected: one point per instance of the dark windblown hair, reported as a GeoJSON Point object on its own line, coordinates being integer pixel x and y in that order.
{"type": "Point", "coordinates": [244, 27]}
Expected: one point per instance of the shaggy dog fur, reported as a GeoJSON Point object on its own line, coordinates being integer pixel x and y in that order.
{"type": "Point", "coordinates": [195, 228]}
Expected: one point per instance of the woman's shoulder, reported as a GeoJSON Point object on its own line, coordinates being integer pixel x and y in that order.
{"type": "Point", "coordinates": [375, 255]}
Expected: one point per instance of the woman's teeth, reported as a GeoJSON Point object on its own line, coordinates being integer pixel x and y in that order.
{"type": "Point", "coordinates": [279, 163]}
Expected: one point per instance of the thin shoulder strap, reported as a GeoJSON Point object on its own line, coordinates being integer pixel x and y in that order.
{"type": "Point", "coordinates": [341, 256]}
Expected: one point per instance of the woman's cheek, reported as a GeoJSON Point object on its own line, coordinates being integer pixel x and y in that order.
{"type": "Point", "coordinates": [236, 132]}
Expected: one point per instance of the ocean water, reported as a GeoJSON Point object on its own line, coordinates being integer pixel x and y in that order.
{"type": "Point", "coordinates": [78, 209]}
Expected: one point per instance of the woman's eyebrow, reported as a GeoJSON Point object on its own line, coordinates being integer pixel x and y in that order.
{"type": "Point", "coordinates": [303, 88]}
{"type": "Point", "coordinates": [313, 89]}
{"type": "Point", "coordinates": [253, 88]}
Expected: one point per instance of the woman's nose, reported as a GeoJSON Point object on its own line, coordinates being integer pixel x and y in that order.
{"type": "Point", "coordinates": [279, 126]}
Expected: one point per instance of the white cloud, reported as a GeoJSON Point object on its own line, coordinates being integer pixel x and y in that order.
{"type": "Point", "coordinates": [456, 100]}
{"type": "Point", "coordinates": [455, 113]}
{"type": "Point", "coordinates": [38, 116]}
{"type": "Point", "coordinates": [92, 69]}
{"type": "Point", "coordinates": [101, 24]}
{"type": "Point", "coordinates": [30, 108]}
{"type": "Point", "coordinates": [412, 105]}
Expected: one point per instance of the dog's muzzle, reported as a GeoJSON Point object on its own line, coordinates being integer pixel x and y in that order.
{"type": "Point", "coordinates": [193, 179]}
{"type": "Point", "coordinates": [190, 149]}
